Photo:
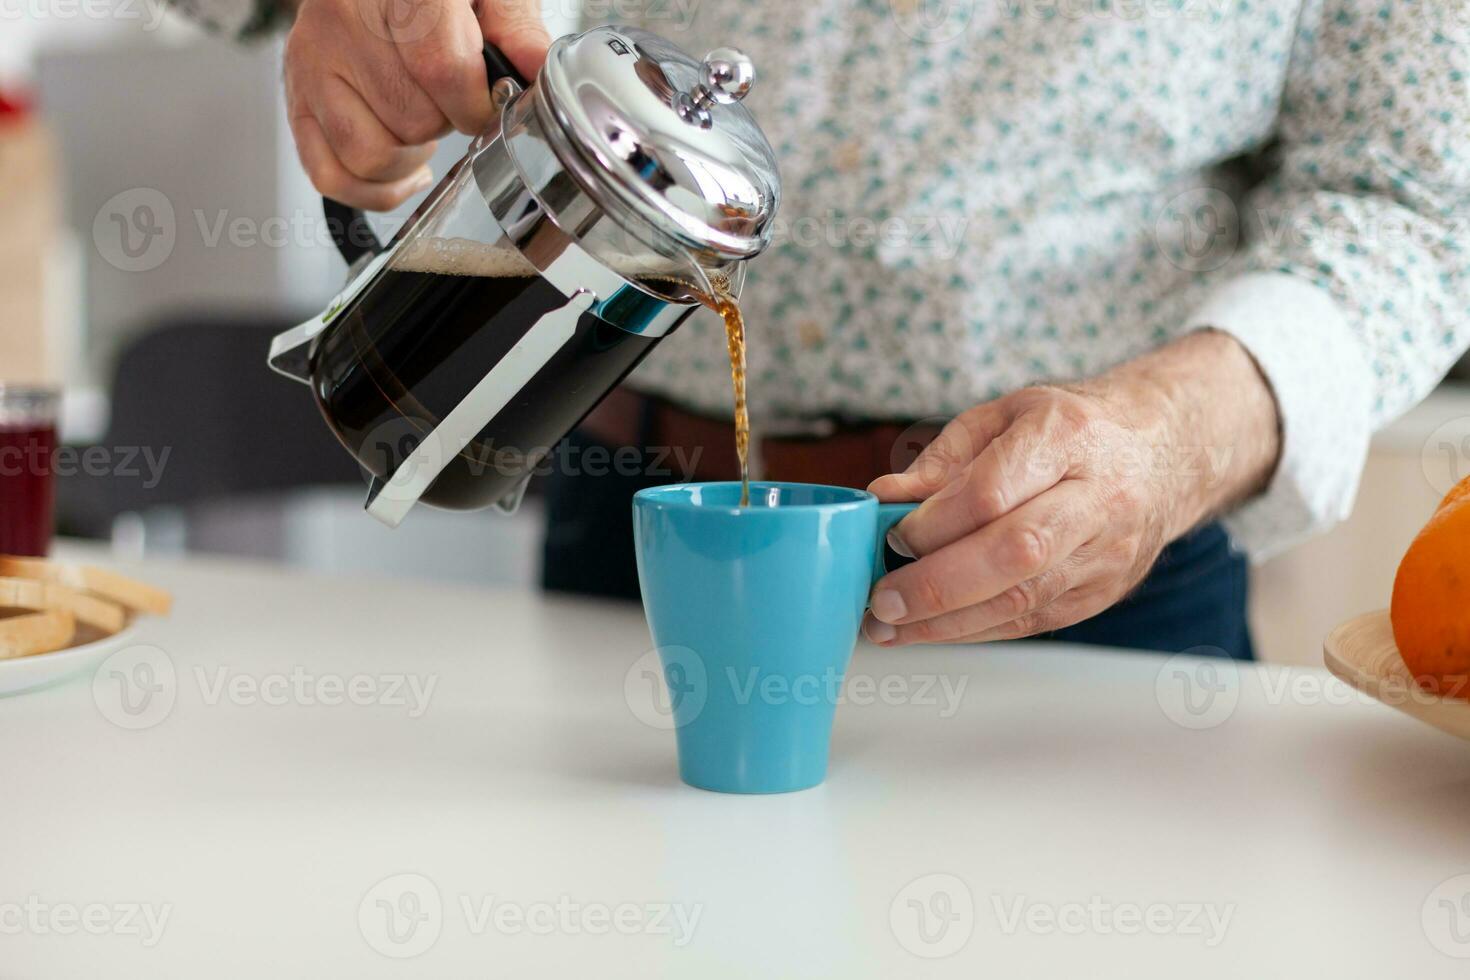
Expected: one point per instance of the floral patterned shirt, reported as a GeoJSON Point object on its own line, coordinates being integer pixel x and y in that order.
{"type": "Point", "coordinates": [983, 194]}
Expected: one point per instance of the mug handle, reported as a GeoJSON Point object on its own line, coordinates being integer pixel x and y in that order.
{"type": "Point", "coordinates": [349, 227]}
{"type": "Point", "coordinates": [888, 515]}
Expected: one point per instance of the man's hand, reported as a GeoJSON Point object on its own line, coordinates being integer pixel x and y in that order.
{"type": "Point", "coordinates": [1045, 507]}
{"type": "Point", "coordinates": [370, 84]}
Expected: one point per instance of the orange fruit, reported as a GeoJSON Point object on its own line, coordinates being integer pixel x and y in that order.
{"type": "Point", "coordinates": [1431, 599]}
{"type": "Point", "coordinates": [1458, 492]}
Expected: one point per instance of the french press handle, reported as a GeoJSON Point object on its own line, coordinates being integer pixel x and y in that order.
{"type": "Point", "coordinates": [349, 227]}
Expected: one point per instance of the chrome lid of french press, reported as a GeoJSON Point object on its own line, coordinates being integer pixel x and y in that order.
{"type": "Point", "coordinates": [662, 141]}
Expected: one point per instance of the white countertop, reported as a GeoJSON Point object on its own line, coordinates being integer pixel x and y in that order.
{"type": "Point", "coordinates": [1054, 819]}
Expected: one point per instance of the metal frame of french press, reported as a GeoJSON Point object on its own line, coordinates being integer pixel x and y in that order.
{"type": "Point", "coordinates": [525, 172]}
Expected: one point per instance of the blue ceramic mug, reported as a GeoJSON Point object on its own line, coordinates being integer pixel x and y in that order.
{"type": "Point", "coordinates": [755, 611]}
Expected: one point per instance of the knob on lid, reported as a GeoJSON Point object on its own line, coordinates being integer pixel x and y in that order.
{"type": "Point", "coordinates": [666, 137]}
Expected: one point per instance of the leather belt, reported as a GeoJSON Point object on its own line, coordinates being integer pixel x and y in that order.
{"type": "Point", "coordinates": [810, 451]}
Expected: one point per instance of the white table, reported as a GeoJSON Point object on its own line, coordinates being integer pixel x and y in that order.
{"type": "Point", "coordinates": [1060, 813]}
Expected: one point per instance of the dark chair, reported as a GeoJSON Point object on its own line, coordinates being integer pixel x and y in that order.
{"type": "Point", "coordinates": [199, 389]}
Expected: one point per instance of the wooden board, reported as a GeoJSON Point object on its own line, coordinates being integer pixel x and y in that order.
{"type": "Point", "coordinates": [1361, 652]}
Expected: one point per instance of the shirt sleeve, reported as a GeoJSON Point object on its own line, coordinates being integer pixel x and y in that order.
{"type": "Point", "coordinates": [1353, 293]}
{"type": "Point", "coordinates": [240, 19]}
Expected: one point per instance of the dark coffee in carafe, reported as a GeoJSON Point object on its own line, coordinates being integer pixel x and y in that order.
{"type": "Point", "coordinates": [443, 314]}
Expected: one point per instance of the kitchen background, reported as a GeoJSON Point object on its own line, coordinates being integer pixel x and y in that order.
{"type": "Point", "coordinates": [145, 271]}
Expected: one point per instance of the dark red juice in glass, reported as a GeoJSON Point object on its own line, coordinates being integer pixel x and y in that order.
{"type": "Point", "coordinates": [27, 491]}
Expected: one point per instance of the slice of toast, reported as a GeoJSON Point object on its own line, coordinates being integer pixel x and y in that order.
{"type": "Point", "coordinates": [35, 632]}
{"type": "Point", "coordinates": [135, 595]}
{"type": "Point", "coordinates": [24, 593]}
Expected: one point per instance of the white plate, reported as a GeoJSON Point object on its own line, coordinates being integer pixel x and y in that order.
{"type": "Point", "coordinates": [1362, 653]}
{"type": "Point", "coordinates": [44, 669]}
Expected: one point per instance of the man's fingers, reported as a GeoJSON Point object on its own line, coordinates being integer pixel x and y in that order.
{"type": "Point", "coordinates": [1020, 546]}
{"type": "Point", "coordinates": [441, 48]}
{"type": "Point", "coordinates": [1014, 467]}
{"type": "Point", "coordinates": [516, 28]}
{"type": "Point", "coordinates": [944, 459]}
{"type": "Point", "coordinates": [333, 180]}
{"type": "Point", "coordinates": [359, 140]}
{"type": "Point", "coordinates": [1024, 599]}
{"type": "Point", "coordinates": [1069, 610]}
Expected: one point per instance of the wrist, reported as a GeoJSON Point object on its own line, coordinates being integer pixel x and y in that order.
{"type": "Point", "coordinates": [1208, 417]}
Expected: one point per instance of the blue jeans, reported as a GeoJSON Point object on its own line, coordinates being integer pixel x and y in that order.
{"type": "Point", "coordinates": [1194, 598]}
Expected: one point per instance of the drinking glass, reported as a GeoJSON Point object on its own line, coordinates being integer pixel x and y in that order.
{"type": "Point", "coordinates": [27, 485]}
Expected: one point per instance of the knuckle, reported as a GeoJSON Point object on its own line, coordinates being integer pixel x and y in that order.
{"type": "Point", "coordinates": [1030, 625]}
{"type": "Point", "coordinates": [1013, 630]}
{"type": "Point", "coordinates": [1025, 552]}
{"type": "Point", "coordinates": [341, 133]}
{"type": "Point", "coordinates": [419, 128]}
{"type": "Point", "coordinates": [1127, 505]}
{"type": "Point", "coordinates": [297, 71]}
{"type": "Point", "coordinates": [1032, 397]}
{"type": "Point", "coordinates": [434, 67]}
{"type": "Point", "coordinates": [1061, 413]}
{"type": "Point", "coordinates": [988, 500]}
{"type": "Point", "coordinates": [1018, 600]}
{"type": "Point", "coordinates": [429, 64]}
{"type": "Point", "coordinates": [291, 52]}
{"type": "Point", "coordinates": [368, 159]}
{"type": "Point", "coordinates": [328, 182]}
{"type": "Point", "coordinates": [936, 465]}
{"type": "Point", "coordinates": [1072, 415]}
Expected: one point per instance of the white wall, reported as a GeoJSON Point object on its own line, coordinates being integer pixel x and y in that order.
{"type": "Point", "coordinates": [28, 27]}
{"type": "Point", "coordinates": [144, 104]}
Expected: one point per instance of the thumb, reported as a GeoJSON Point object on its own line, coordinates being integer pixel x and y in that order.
{"type": "Point", "coordinates": [516, 28]}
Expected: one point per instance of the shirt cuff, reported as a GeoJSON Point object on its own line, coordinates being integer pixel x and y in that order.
{"type": "Point", "coordinates": [1324, 390]}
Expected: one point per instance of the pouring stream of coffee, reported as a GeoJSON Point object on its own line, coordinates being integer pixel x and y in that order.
{"type": "Point", "coordinates": [714, 291]}
{"type": "Point", "coordinates": [722, 301]}
{"type": "Point", "coordinates": [729, 309]}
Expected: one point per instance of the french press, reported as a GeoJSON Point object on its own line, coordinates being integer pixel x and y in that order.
{"type": "Point", "coordinates": [580, 228]}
